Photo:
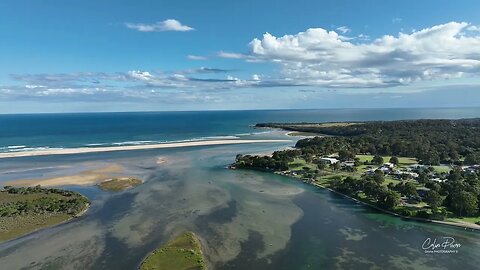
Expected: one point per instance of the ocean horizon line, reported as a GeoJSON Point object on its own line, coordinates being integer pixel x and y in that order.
{"type": "Point", "coordinates": [242, 110]}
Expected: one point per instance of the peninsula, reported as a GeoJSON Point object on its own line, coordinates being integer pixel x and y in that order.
{"type": "Point", "coordinates": [420, 169]}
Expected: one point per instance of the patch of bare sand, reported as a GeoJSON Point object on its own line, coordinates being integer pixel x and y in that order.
{"type": "Point", "coordinates": [85, 178]}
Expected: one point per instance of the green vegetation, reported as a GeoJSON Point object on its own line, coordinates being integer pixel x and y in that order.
{"type": "Point", "coordinates": [181, 253]}
{"type": "Point", "coordinates": [119, 184]}
{"type": "Point", "coordinates": [26, 209]}
{"type": "Point", "coordinates": [431, 142]}
{"type": "Point", "coordinates": [307, 127]}
{"type": "Point", "coordinates": [300, 134]}
{"type": "Point", "coordinates": [389, 165]}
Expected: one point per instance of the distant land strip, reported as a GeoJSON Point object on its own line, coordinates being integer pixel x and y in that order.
{"type": "Point", "coordinates": [82, 150]}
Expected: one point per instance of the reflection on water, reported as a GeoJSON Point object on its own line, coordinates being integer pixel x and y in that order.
{"type": "Point", "coordinates": [246, 220]}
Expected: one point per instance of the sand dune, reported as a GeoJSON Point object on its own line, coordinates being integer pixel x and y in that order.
{"type": "Point", "coordinates": [81, 150]}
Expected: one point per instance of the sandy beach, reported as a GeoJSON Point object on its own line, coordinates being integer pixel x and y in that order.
{"type": "Point", "coordinates": [82, 150]}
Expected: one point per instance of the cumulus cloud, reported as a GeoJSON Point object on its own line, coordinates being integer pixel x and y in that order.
{"type": "Point", "coordinates": [167, 25]}
{"type": "Point", "coordinates": [141, 75]}
{"type": "Point", "coordinates": [314, 58]}
{"type": "Point", "coordinates": [325, 58]}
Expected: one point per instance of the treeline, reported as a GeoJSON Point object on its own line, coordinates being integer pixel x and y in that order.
{"type": "Point", "coordinates": [460, 194]}
{"type": "Point", "coordinates": [38, 200]}
{"type": "Point", "coordinates": [371, 186]}
{"type": "Point", "coordinates": [430, 141]}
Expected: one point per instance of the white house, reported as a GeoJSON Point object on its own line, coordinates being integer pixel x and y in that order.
{"type": "Point", "coordinates": [329, 160]}
{"type": "Point", "coordinates": [389, 165]}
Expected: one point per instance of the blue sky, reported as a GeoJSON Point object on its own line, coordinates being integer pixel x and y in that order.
{"type": "Point", "coordinates": [70, 56]}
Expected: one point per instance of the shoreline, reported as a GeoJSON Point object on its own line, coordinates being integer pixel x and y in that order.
{"type": "Point", "coordinates": [465, 226]}
{"type": "Point", "coordinates": [84, 150]}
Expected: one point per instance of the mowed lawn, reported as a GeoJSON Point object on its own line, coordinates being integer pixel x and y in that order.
{"type": "Point", "coordinates": [403, 161]}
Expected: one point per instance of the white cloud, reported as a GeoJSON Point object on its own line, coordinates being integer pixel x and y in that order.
{"type": "Point", "coordinates": [140, 75]}
{"type": "Point", "coordinates": [30, 86]}
{"type": "Point", "coordinates": [167, 25]}
{"type": "Point", "coordinates": [138, 84]}
{"type": "Point", "coordinates": [230, 55]}
{"type": "Point", "coordinates": [344, 29]}
{"type": "Point", "coordinates": [473, 28]}
{"type": "Point", "coordinates": [321, 57]}
{"type": "Point", "coordinates": [196, 57]}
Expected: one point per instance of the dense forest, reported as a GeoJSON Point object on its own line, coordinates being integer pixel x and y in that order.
{"type": "Point", "coordinates": [431, 142]}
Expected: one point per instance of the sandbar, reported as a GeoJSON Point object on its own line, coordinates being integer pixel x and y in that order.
{"type": "Point", "coordinates": [82, 150]}
{"type": "Point", "coordinates": [85, 178]}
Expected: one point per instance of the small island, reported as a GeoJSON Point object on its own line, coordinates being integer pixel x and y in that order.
{"type": "Point", "coordinates": [182, 253]}
{"type": "Point", "coordinates": [119, 184]}
{"type": "Point", "coordinates": [27, 209]}
{"type": "Point", "coordinates": [418, 169]}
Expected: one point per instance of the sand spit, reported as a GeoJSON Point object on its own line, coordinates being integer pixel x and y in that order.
{"type": "Point", "coordinates": [81, 150]}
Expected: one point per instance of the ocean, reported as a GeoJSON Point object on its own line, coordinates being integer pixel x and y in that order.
{"type": "Point", "coordinates": [26, 132]}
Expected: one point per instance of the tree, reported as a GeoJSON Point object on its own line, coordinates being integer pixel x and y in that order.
{"type": "Point", "coordinates": [464, 203]}
{"type": "Point", "coordinates": [335, 166]}
{"type": "Point", "coordinates": [471, 159]}
{"type": "Point", "coordinates": [389, 199]}
{"type": "Point", "coordinates": [422, 178]}
{"type": "Point", "coordinates": [377, 160]}
{"type": "Point", "coordinates": [454, 155]}
{"type": "Point", "coordinates": [345, 155]}
{"type": "Point", "coordinates": [394, 160]}
{"type": "Point", "coordinates": [409, 190]}
{"type": "Point", "coordinates": [321, 166]}
{"type": "Point", "coordinates": [433, 186]}
{"type": "Point", "coordinates": [433, 199]}
{"type": "Point", "coordinates": [391, 186]}
{"type": "Point", "coordinates": [357, 162]}
{"type": "Point", "coordinates": [308, 158]}
{"type": "Point", "coordinates": [372, 189]}
{"type": "Point", "coordinates": [378, 177]}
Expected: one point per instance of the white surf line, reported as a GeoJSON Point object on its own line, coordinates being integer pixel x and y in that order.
{"type": "Point", "coordinates": [82, 150]}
